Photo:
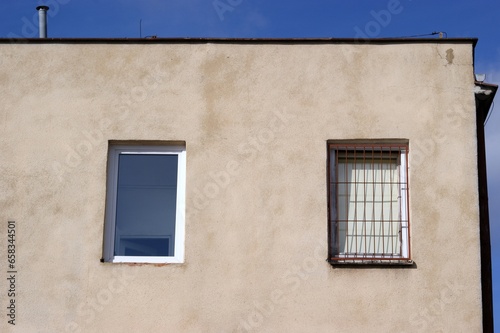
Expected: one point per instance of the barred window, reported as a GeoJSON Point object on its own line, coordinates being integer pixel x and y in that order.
{"type": "Point", "coordinates": [368, 196]}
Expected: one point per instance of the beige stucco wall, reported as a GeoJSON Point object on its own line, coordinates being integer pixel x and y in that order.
{"type": "Point", "coordinates": [258, 117]}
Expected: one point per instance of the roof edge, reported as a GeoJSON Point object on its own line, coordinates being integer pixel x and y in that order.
{"type": "Point", "coordinates": [203, 40]}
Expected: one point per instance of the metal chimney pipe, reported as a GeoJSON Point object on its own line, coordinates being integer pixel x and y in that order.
{"type": "Point", "coordinates": [42, 20]}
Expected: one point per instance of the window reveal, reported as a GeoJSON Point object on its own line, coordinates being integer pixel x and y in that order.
{"type": "Point", "coordinates": [145, 204]}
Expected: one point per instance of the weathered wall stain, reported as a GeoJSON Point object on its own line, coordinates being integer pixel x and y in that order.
{"type": "Point", "coordinates": [450, 56]}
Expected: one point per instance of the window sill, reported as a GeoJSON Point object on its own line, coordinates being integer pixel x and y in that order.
{"type": "Point", "coordinates": [158, 261]}
{"type": "Point", "coordinates": [346, 263]}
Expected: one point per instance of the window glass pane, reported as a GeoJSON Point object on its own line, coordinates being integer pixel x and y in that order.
{"type": "Point", "coordinates": [146, 205]}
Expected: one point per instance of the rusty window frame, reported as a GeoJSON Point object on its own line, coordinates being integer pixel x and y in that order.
{"type": "Point", "coordinates": [368, 154]}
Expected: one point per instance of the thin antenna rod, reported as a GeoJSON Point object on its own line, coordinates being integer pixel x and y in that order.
{"type": "Point", "coordinates": [140, 28]}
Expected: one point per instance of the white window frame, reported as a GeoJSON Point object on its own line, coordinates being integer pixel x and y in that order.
{"type": "Point", "coordinates": [112, 187]}
{"type": "Point", "coordinates": [405, 237]}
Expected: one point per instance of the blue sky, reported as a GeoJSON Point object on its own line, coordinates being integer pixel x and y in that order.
{"type": "Point", "coordinates": [292, 18]}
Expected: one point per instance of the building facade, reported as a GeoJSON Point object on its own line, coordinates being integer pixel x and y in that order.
{"type": "Point", "coordinates": [212, 185]}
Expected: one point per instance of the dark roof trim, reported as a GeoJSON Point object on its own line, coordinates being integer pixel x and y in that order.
{"type": "Point", "coordinates": [472, 41]}
{"type": "Point", "coordinates": [485, 94]}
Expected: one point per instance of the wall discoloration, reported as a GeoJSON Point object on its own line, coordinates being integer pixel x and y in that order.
{"type": "Point", "coordinates": [450, 56]}
{"type": "Point", "coordinates": [261, 115]}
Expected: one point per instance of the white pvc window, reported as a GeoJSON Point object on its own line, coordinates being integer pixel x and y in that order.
{"type": "Point", "coordinates": [145, 204]}
{"type": "Point", "coordinates": [368, 202]}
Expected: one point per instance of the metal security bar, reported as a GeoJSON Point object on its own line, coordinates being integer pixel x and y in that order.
{"type": "Point", "coordinates": [368, 198]}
